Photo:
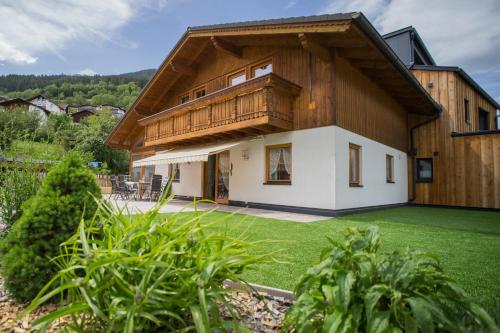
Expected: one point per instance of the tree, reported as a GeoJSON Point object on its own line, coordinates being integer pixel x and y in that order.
{"type": "Point", "coordinates": [66, 196]}
{"type": "Point", "coordinates": [91, 137]}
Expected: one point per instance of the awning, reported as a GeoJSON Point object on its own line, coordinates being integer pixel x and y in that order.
{"type": "Point", "coordinates": [195, 154]}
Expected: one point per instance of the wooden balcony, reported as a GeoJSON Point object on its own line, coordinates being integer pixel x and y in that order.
{"type": "Point", "coordinates": [260, 105]}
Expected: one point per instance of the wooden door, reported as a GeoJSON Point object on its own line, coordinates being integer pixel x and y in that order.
{"type": "Point", "coordinates": [222, 170]}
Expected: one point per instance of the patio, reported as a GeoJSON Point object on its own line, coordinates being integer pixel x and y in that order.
{"type": "Point", "coordinates": [181, 205]}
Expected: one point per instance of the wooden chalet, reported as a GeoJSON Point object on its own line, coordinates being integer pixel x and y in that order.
{"type": "Point", "coordinates": [305, 114]}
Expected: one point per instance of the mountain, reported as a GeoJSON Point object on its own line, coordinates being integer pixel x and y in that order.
{"type": "Point", "coordinates": [118, 90]}
{"type": "Point", "coordinates": [15, 82]}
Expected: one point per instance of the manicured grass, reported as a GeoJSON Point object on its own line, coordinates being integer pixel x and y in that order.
{"type": "Point", "coordinates": [467, 243]}
{"type": "Point", "coordinates": [35, 150]}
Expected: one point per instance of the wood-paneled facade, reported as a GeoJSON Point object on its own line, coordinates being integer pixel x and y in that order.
{"type": "Point", "coordinates": [466, 168]}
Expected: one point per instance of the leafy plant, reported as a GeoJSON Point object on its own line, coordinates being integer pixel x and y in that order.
{"type": "Point", "coordinates": [147, 273]}
{"type": "Point", "coordinates": [355, 289]}
{"type": "Point", "coordinates": [49, 218]}
{"type": "Point", "coordinates": [18, 183]}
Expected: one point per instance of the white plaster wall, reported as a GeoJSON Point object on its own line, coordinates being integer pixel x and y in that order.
{"type": "Point", "coordinates": [162, 170]}
{"type": "Point", "coordinates": [375, 190]}
{"type": "Point", "coordinates": [40, 112]}
{"type": "Point", "coordinates": [190, 180]}
{"type": "Point", "coordinates": [52, 107]}
{"type": "Point", "coordinates": [312, 170]}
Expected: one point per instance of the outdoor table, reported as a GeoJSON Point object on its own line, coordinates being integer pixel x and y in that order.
{"type": "Point", "coordinates": [141, 187]}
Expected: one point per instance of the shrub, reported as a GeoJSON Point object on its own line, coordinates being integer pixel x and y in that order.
{"type": "Point", "coordinates": [147, 273]}
{"type": "Point", "coordinates": [48, 219]}
{"type": "Point", "coordinates": [17, 184]}
{"type": "Point", "coordinates": [354, 289]}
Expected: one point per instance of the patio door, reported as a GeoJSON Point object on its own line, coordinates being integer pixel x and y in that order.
{"type": "Point", "coordinates": [222, 170]}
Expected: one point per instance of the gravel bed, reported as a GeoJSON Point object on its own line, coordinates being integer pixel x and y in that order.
{"type": "Point", "coordinates": [260, 312]}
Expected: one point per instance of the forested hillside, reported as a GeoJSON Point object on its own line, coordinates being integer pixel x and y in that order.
{"type": "Point", "coordinates": [119, 90]}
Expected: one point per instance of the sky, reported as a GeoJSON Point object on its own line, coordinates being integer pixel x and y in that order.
{"type": "Point", "coordinates": [117, 36]}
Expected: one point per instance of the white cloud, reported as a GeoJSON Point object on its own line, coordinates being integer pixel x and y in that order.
{"type": "Point", "coordinates": [290, 4]}
{"type": "Point", "coordinates": [87, 71]}
{"type": "Point", "coordinates": [457, 32]}
{"type": "Point", "coordinates": [31, 27]}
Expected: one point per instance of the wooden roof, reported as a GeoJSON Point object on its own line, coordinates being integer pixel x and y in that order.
{"type": "Point", "coordinates": [350, 34]}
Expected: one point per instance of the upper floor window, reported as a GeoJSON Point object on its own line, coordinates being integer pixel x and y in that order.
{"type": "Point", "coordinates": [424, 170]}
{"type": "Point", "coordinates": [466, 111]}
{"type": "Point", "coordinates": [198, 93]}
{"type": "Point", "coordinates": [236, 78]}
{"type": "Point", "coordinates": [354, 165]}
{"type": "Point", "coordinates": [262, 69]}
{"type": "Point", "coordinates": [184, 99]}
{"type": "Point", "coordinates": [389, 167]}
{"type": "Point", "coordinates": [279, 164]}
{"type": "Point", "coordinates": [483, 119]}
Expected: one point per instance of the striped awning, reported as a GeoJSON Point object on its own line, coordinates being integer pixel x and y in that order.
{"type": "Point", "coordinates": [195, 154]}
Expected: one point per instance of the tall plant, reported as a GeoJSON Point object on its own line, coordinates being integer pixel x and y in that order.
{"type": "Point", "coordinates": [356, 289]}
{"type": "Point", "coordinates": [147, 273]}
{"type": "Point", "coordinates": [49, 218]}
{"type": "Point", "coordinates": [18, 183]}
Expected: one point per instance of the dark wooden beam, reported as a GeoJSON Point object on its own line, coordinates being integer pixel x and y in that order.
{"type": "Point", "coordinates": [182, 69]}
{"type": "Point", "coordinates": [311, 44]}
{"type": "Point", "coordinates": [226, 47]}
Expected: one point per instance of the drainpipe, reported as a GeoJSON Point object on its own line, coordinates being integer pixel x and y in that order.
{"type": "Point", "coordinates": [413, 152]}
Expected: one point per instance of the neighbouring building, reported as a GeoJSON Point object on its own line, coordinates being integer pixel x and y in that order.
{"type": "Point", "coordinates": [45, 103]}
{"type": "Point", "coordinates": [313, 114]}
{"type": "Point", "coordinates": [10, 104]}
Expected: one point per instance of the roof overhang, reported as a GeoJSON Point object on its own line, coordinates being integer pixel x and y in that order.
{"type": "Point", "coordinates": [335, 31]}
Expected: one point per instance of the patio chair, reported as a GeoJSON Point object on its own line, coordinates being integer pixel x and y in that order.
{"type": "Point", "coordinates": [125, 191]}
{"type": "Point", "coordinates": [114, 187]}
{"type": "Point", "coordinates": [155, 189]}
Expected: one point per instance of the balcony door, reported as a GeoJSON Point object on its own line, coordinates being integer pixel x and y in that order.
{"type": "Point", "coordinates": [222, 170]}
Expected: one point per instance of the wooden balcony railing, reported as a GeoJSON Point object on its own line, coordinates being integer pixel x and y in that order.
{"type": "Point", "coordinates": [266, 101]}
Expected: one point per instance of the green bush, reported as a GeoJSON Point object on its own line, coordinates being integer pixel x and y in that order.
{"type": "Point", "coordinates": [49, 218]}
{"type": "Point", "coordinates": [148, 273]}
{"type": "Point", "coordinates": [355, 289]}
{"type": "Point", "coordinates": [18, 183]}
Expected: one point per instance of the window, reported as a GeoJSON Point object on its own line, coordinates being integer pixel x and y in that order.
{"type": "Point", "coordinates": [236, 78]}
{"type": "Point", "coordinates": [198, 93]}
{"type": "Point", "coordinates": [466, 111]}
{"type": "Point", "coordinates": [354, 165]}
{"type": "Point", "coordinates": [141, 173]}
{"type": "Point", "coordinates": [483, 120]}
{"type": "Point", "coordinates": [279, 164]}
{"type": "Point", "coordinates": [262, 69]}
{"type": "Point", "coordinates": [175, 172]}
{"type": "Point", "coordinates": [184, 99]}
{"type": "Point", "coordinates": [389, 168]}
{"type": "Point", "coordinates": [424, 170]}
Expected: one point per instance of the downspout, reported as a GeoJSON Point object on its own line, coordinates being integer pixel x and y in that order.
{"type": "Point", "coordinates": [413, 152]}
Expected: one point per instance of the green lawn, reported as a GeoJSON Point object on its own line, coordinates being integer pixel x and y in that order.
{"type": "Point", "coordinates": [467, 243]}
{"type": "Point", "coordinates": [35, 150]}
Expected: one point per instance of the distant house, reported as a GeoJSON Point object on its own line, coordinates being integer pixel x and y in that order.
{"type": "Point", "coordinates": [82, 112]}
{"type": "Point", "coordinates": [115, 110]}
{"type": "Point", "coordinates": [41, 100]}
{"type": "Point", "coordinates": [10, 104]}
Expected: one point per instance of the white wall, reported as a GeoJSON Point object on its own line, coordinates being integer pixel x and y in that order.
{"type": "Point", "coordinates": [48, 105]}
{"type": "Point", "coordinates": [190, 180]}
{"type": "Point", "coordinates": [312, 170]}
{"type": "Point", "coordinates": [320, 172]}
{"type": "Point", "coordinates": [375, 190]}
{"type": "Point", "coordinates": [40, 112]}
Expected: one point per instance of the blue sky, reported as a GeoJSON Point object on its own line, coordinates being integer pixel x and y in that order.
{"type": "Point", "coordinates": [117, 36]}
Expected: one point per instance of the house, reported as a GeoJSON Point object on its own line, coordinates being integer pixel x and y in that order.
{"type": "Point", "coordinates": [460, 149]}
{"type": "Point", "coordinates": [13, 103]}
{"type": "Point", "coordinates": [312, 114]}
{"type": "Point", "coordinates": [82, 111]}
{"type": "Point", "coordinates": [115, 110]}
{"type": "Point", "coordinates": [42, 101]}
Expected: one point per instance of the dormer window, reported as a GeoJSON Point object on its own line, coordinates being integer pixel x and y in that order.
{"type": "Point", "coordinates": [262, 69]}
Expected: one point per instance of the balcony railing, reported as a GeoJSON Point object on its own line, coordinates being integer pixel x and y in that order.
{"type": "Point", "coordinates": [266, 101]}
